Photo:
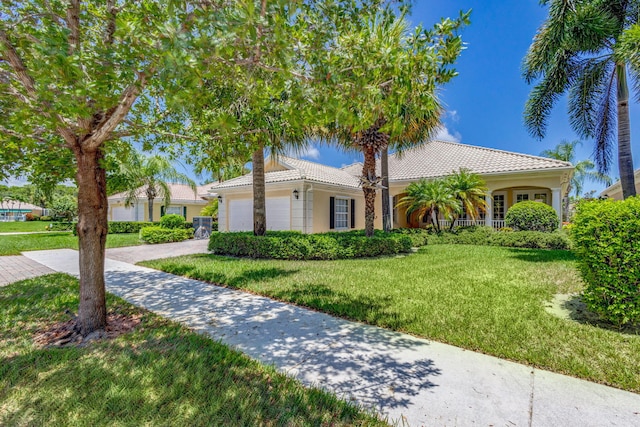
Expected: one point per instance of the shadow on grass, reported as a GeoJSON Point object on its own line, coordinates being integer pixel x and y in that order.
{"type": "Point", "coordinates": [574, 308]}
{"type": "Point", "coordinates": [541, 255]}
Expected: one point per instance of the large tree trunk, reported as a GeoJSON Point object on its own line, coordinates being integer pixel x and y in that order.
{"type": "Point", "coordinates": [92, 237]}
{"type": "Point", "coordinates": [386, 202]}
{"type": "Point", "coordinates": [625, 160]}
{"type": "Point", "coordinates": [150, 207]}
{"type": "Point", "coordinates": [369, 190]}
{"type": "Point", "coordinates": [259, 198]}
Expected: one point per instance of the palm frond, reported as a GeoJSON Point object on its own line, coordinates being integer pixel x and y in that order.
{"type": "Point", "coordinates": [606, 127]}
{"type": "Point", "coordinates": [586, 94]}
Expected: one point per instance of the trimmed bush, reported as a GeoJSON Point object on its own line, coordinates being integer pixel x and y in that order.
{"type": "Point", "coordinates": [173, 221]}
{"type": "Point", "coordinates": [419, 236]}
{"type": "Point", "coordinates": [45, 218]}
{"type": "Point", "coordinates": [62, 226]}
{"type": "Point", "coordinates": [297, 246]}
{"type": "Point", "coordinates": [157, 234]}
{"type": "Point", "coordinates": [121, 227]}
{"type": "Point", "coordinates": [486, 236]}
{"type": "Point", "coordinates": [606, 237]}
{"type": "Point", "coordinates": [532, 216]}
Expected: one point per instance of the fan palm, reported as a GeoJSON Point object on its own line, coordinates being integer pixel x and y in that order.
{"type": "Point", "coordinates": [584, 169]}
{"type": "Point", "coordinates": [578, 50]}
{"type": "Point", "coordinates": [152, 175]}
{"type": "Point", "coordinates": [431, 199]}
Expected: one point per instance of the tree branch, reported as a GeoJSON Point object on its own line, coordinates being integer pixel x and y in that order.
{"type": "Point", "coordinates": [73, 22]}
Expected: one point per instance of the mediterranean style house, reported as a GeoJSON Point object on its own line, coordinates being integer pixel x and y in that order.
{"type": "Point", "coordinates": [314, 198]}
{"type": "Point", "coordinates": [615, 190]}
{"type": "Point", "coordinates": [184, 201]}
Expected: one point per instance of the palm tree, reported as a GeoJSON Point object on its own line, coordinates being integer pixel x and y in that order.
{"type": "Point", "coordinates": [578, 50]}
{"type": "Point", "coordinates": [152, 174]}
{"type": "Point", "coordinates": [431, 199]}
{"type": "Point", "coordinates": [470, 190]}
{"type": "Point", "coordinates": [584, 169]}
{"type": "Point", "coordinates": [377, 84]}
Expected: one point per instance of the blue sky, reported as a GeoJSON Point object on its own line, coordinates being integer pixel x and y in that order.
{"type": "Point", "coordinates": [485, 101]}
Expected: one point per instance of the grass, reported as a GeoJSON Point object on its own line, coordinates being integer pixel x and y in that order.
{"type": "Point", "coordinates": [15, 244]}
{"type": "Point", "coordinates": [488, 299]}
{"type": "Point", "coordinates": [159, 374]}
{"type": "Point", "coordinates": [23, 226]}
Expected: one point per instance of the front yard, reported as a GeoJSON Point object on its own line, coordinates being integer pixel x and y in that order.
{"type": "Point", "coordinates": [488, 299]}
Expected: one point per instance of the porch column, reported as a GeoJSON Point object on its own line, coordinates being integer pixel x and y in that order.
{"type": "Point", "coordinates": [556, 203]}
{"type": "Point", "coordinates": [222, 215]}
{"type": "Point", "coordinates": [488, 217]}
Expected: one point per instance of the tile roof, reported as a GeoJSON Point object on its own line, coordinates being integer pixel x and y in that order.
{"type": "Point", "coordinates": [179, 192]}
{"type": "Point", "coordinates": [440, 158]}
{"type": "Point", "coordinates": [298, 170]}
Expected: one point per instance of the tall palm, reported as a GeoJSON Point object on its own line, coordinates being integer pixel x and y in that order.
{"type": "Point", "coordinates": [470, 190]}
{"type": "Point", "coordinates": [152, 174]}
{"type": "Point", "coordinates": [578, 50]}
{"type": "Point", "coordinates": [431, 199]}
{"type": "Point", "coordinates": [584, 169]}
{"type": "Point", "coordinates": [378, 86]}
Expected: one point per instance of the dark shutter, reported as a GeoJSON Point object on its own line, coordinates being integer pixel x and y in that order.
{"type": "Point", "coordinates": [332, 213]}
{"type": "Point", "coordinates": [353, 213]}
{"type": "Point", "coordinates": [184, 212]}
{"type": "Point", "coordinates": [161, 211]}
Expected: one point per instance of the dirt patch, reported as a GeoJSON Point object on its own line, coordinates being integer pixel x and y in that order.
{"type": "Point", "coordinates": [64, 334]}
{"type": "Point", "coordinates": [571, 307]}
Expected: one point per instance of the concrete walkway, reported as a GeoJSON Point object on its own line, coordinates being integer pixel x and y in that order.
{"type": "Point", "coordinates": [412, 381]}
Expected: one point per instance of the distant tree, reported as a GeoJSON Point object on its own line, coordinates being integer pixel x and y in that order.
{"type": "Point", "coordinates": [211, 209]}
{"type": "Point", "coordinates": [377, 86]}
{"type": "Point", "coordinates": [151, 176]}
{"type": "Point", "coordinates": [578, 50]}
{"type": "Point", "coordinates": [584, 169]}
{"type": "Point", "coordinates": [65, 208]}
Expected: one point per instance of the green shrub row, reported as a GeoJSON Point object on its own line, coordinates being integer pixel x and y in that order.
{"type": "Point", "coordinates": [532, 216]}
{"type": "Point", "coordinates": [297, 246]}
{"type": "Point", "coordinates": [606, 236]}
{"type": "Point", "coordinates": [62, 226]}
{"type": "Point", "coordinates": [487, 236]}
{"type": "Point", "coordinates": [157, 234]}
{"type": "Point", "coordinates": [122, 227]}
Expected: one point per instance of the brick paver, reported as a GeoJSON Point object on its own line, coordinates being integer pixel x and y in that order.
{"type": "Point", "coordinates": [18, 267]}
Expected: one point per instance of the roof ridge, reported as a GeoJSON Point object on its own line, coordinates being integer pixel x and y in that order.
{"type": "Point", "coordinates": [531, 156]}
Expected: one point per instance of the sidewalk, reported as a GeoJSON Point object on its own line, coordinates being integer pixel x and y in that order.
{"type": "Point", "coordinates": [410, 380]}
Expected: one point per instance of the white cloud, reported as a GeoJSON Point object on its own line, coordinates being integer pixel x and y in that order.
{"type": "Point", "coordinates": [453, 115]}
{"type": "Point", "coordinates": [309, 152]}
{"type": "Point", "coordinates": [445, 135]}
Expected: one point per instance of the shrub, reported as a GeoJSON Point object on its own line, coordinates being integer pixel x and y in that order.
{"type": "Point", "coordinates": [531, 216]}
{"type": "Point", "coordinates": [157, 234]}
{"type": "Point", "coordinates": [419, 236]}
{"type": "Point", "coordinates": [45, 218]}
{"type": "Point", "coordinates": [62, 226]}
{"type": "Point", "coordinates": [121, 227]}
{"type": "Point", "coordinates": [173, 221]}
{"type": "Point", "coordinates": [486, 236]}
{"type": "Point", "coordinates": [297, 246]}
{"type": "Point", "coordinates": [606, 240]}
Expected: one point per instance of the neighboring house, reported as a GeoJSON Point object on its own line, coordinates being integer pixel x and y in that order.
{"type": "Point", "coordinates": [183, 202]}
{"type": "Point", "coordinates": [615, 191]}
{"type": "Point", "coordinates": [314, 198]}
{"type": "Point", "coordinates": [13, 210]}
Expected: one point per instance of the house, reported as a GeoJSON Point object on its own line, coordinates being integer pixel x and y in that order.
{"type": "Point", "coordinates": [14, 210]}
{"type": "Point", "coordinates": [184, 201]}
{"type": "Point", "coordinates": [615, 191]}
{"type": "Point", "coordinates": [313, 198]}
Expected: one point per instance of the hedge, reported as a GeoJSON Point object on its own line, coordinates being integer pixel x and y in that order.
{"type": "Point", "coordinates": [487, 236]}
{"type": "Point", "coordinates": [606, 237]}
{"type": "Point", "coordinates": [532, 216]}
{"type": "Point", "coordinates": [62, 226]}
{"type": "Point", "coordinates": [157, 234]}
{"type": "Point", "coordinates": [291, 245]}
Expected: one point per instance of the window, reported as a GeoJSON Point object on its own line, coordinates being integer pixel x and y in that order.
{"type": "Point", "coordinates": [174, 210]}
{"type": "Point", "coordinates": [540, 197]}
{"type": "Point", "coordinates": [498, 207]}
{"type": "Point", "coordinates": [342, 213]}
{"type": "Point", "coordinates": [522, 197]}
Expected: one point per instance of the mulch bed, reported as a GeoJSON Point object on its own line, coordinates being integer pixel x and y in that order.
{"type": "Point", "coordinates": [64, 334]}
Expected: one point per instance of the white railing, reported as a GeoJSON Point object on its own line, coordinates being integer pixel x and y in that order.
{"type": "Point", "coordinates": [497, 223]}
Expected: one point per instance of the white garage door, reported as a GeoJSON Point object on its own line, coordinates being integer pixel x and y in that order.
{"type": "Point", "coordinates": [278, 214]}
{"type": "Point", "coordinates": [120, 213]}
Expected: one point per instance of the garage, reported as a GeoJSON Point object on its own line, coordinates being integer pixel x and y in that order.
{"type": "Point", "coordinates": [121, 213]}
{"type": "Point", "coordinates": [278, 214]}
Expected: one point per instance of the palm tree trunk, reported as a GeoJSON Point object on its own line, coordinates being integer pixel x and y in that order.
{"type": "Point", "coordinates": [386, 209]}
{"type": "Point", "coordinates": [369, 173]}
{"type": "Point", "coordinates": [92, 237]}
{"type": "Point", "coordinates": [259, 197]}
{"type": "Point", "coordinates": [150, 207]}
{"type": "Point", "coordinates": [625, 160]}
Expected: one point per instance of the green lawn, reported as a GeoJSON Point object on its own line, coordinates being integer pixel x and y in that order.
{"type": "Point", "coordinates": [13, 226]}
{"type": "Point", "coordinates": [488, 299]}
{"type": "Point", "coordinates": [14, 244]}
{"type": "Point", "coordinates": [159, 374]}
